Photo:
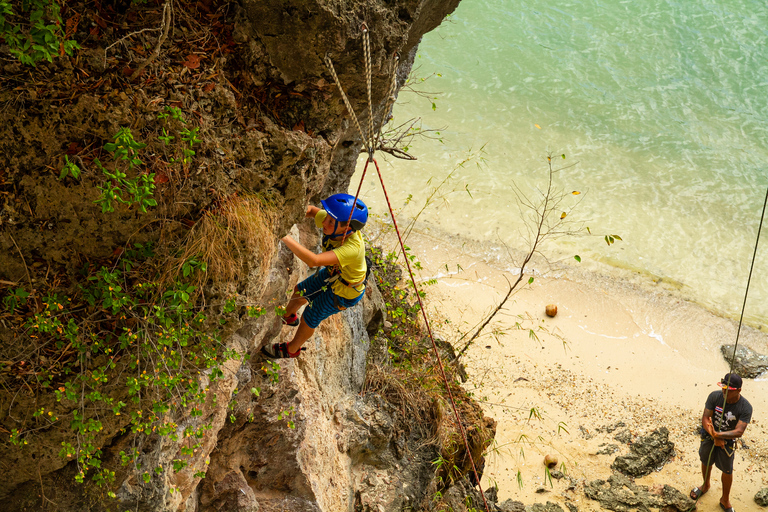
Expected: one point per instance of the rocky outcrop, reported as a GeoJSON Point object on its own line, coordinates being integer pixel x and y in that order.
{"type": "Point", "coordinates": [647, 454]}
{"type": "Point", "coordinates": [747, 363]}
{"type": "Point", "coordinates": [250, 77]}
{"type": "Point", "coordinates": [761, 498]}
{"type": "Point", "coordinates": [621, 494]}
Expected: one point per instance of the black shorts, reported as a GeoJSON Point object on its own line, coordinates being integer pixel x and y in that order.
{"type": "Point", "coordinates": [720, 457]}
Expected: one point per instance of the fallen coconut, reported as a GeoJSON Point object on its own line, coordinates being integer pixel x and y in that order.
{"type": "Point", "coordinates": [550, 461]}
{"type": "Point", "coordinates": [551, 309]}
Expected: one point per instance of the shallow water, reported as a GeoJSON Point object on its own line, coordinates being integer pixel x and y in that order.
{"type": "Point", "coordinates": [660, 107]}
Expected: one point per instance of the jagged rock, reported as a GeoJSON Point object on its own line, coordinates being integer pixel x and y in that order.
{"type": "Point", "coordinates": [548, 507]}
{"type": "Point", "coordinates": [623, 436]}
{"type": "Point", "coordinates": [571, 507]}
{"type": "Point", "coordinates": [374, 309]}
{"type": "Point", "coordinates": [288, 139]}
{"type": "Point", "coordinates": [607, 449]}
{"type": "Point", "coordinates": [648, 454]}
{"type": "Point", "coordinates": [511, 506]}
{"type": "Point", "coordinates": [621, 494]}
{"type": "Point", "coordinates": [761, 498]}
{"type": "Point", "coordinates": [748, 363]}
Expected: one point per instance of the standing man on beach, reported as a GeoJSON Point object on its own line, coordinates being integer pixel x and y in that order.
{"type": "Point", "coordinates": [726, 416]}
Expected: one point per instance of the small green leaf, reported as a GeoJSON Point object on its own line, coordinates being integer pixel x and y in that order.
{"type": "Point", "coordinates": [617, 237]}
{"type": "Point", "coordinates": [530, 280]}
{"type": "Point", "coordinates": [577, 258]}
{"type": "Point", "coordinates": [563, 155]}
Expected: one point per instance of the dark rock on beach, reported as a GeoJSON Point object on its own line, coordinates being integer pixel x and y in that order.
{"type": "Point", "coordinates": [748, 363]}
{"type": "Point", "coordinates": [548, 507]}
{"type": "Point", "coordinates": [619, 493]}
{"type": "Point", "coordinates": [646, 455]}
{"type": "Point", "coordinates": [761, 498]}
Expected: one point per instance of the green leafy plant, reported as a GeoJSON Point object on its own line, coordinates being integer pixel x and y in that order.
{"type": "Point", "coordinates": [70, 169]}
{"type": "Point", "coordinates": [36, 32]}
{"type": "Point", "coordinates": [15, 298]}
{"type": "Point", "coordinates": [120, 187]}
{"type": "Point", "coordinates": [122, 327]}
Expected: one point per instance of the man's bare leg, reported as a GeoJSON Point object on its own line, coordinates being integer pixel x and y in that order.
{"type": "Point", "coordinates": [727, 481]}
{"type": "Point", "coordinates": [706, 472]}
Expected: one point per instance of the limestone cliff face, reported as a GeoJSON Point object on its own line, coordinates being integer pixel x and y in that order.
{"type": "Point", "coordinates": [271, 124]}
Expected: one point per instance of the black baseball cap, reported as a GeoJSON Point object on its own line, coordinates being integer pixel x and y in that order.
{"type": "Point", "coordinates": [731, 381]}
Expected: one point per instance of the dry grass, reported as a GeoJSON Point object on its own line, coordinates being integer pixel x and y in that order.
{"type": "Point", "coordinates": [233, 239]}
{"type": "Point", "coordinates": [418, 406]}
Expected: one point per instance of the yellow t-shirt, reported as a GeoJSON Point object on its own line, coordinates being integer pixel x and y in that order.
{"type": "Point", "coordinates": [351, 257]}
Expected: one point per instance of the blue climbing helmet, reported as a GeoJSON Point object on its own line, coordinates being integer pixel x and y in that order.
{"type": "Point", "coordinates": [339, 207]}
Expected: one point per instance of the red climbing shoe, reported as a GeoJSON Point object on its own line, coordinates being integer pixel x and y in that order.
{"type": "Point", "coordinates": [292, 320]}
{"type": "Point", "coordinates": [279, 351]}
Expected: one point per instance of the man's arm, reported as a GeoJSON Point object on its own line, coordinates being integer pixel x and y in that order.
{"type": "Point", "coordinates": [312, 211]}
{"type": "Point", "coordinates": [732, 434]}
{"type": "Point", "coordinates": [323, 259]}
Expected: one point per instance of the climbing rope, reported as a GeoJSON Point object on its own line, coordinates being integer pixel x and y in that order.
{"type": "Point", "coordinates": [329, 64]}
{"type": "Point", "coordinates": [367, 59]}
{"type": "Point", "coordinates": [738, 332]}
{"type": "Point", "coordinates": [370, 147]}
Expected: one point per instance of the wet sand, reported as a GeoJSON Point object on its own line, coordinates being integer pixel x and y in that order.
{"type": "Point", "coordinates": [622, 349]}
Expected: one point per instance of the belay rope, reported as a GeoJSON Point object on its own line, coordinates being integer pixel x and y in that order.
{"type": "Point", "coordinates": [371, 142]}
{"type": "Point", "coordinates": [738, 332]}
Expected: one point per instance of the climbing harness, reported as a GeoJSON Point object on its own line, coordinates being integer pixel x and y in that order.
{"type": "Point", "coordinates": [738, 332]}
{"type": "Point", "coordinates": [371, 142]}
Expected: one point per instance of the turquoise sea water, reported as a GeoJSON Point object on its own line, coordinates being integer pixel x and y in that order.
{"type": "Point", "coordinates": [661, 105]}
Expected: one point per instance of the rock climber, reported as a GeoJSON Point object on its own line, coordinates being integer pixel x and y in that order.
{"type": "Point", "coordinates": [340, 283]}
{"type": "Point", "coordinates": [726, 416]}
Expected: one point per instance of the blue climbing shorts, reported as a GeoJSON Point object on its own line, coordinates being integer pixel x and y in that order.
{"type": "Point", "coordinates": [322, 302]}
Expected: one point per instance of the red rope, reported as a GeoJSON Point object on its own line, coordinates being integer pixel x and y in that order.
{"type": "Point", "coordinates": [429, 329]}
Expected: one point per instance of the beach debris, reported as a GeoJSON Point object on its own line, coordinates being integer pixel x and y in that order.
{"type": "Point", "coordinates": [761, 498]}
{"type": "Point", "coordinates": [646, 455]}
{"type": "Point", "coordinates": [621, 494]}
{"type": "Point", "coordinates": [551, 310]}
{"type": "Point", "coordinates": [550, 461]}
{"type": "Point", "coordinates": [585, 433]}
{"type": "Point", "coordinates": [611, 428]}
{"type": "Point", "coordinates": [747, 363]}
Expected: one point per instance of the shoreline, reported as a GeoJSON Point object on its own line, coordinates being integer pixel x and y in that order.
{"type": "Point", "coordinates": [618, 351]}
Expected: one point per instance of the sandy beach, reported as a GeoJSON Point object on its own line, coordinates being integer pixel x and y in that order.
{"type": "Point", "coordinates": [624, 354]}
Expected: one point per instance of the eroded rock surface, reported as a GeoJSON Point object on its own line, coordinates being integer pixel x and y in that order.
{"type": "Point", "coordinates": [272, 125]}
{"type": "Point", "coordinates": [621, 494]}
{"type": "Point", "coordinates": [646, 455]}
{"type": "Point", "coordinates": [748, 363]}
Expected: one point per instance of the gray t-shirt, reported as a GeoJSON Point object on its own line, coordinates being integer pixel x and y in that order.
{"type": "Point", "coordinates": [725, 420]}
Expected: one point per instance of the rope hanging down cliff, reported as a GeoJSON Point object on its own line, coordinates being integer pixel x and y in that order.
{"type": "Point", "coordinates": [371, 142]}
